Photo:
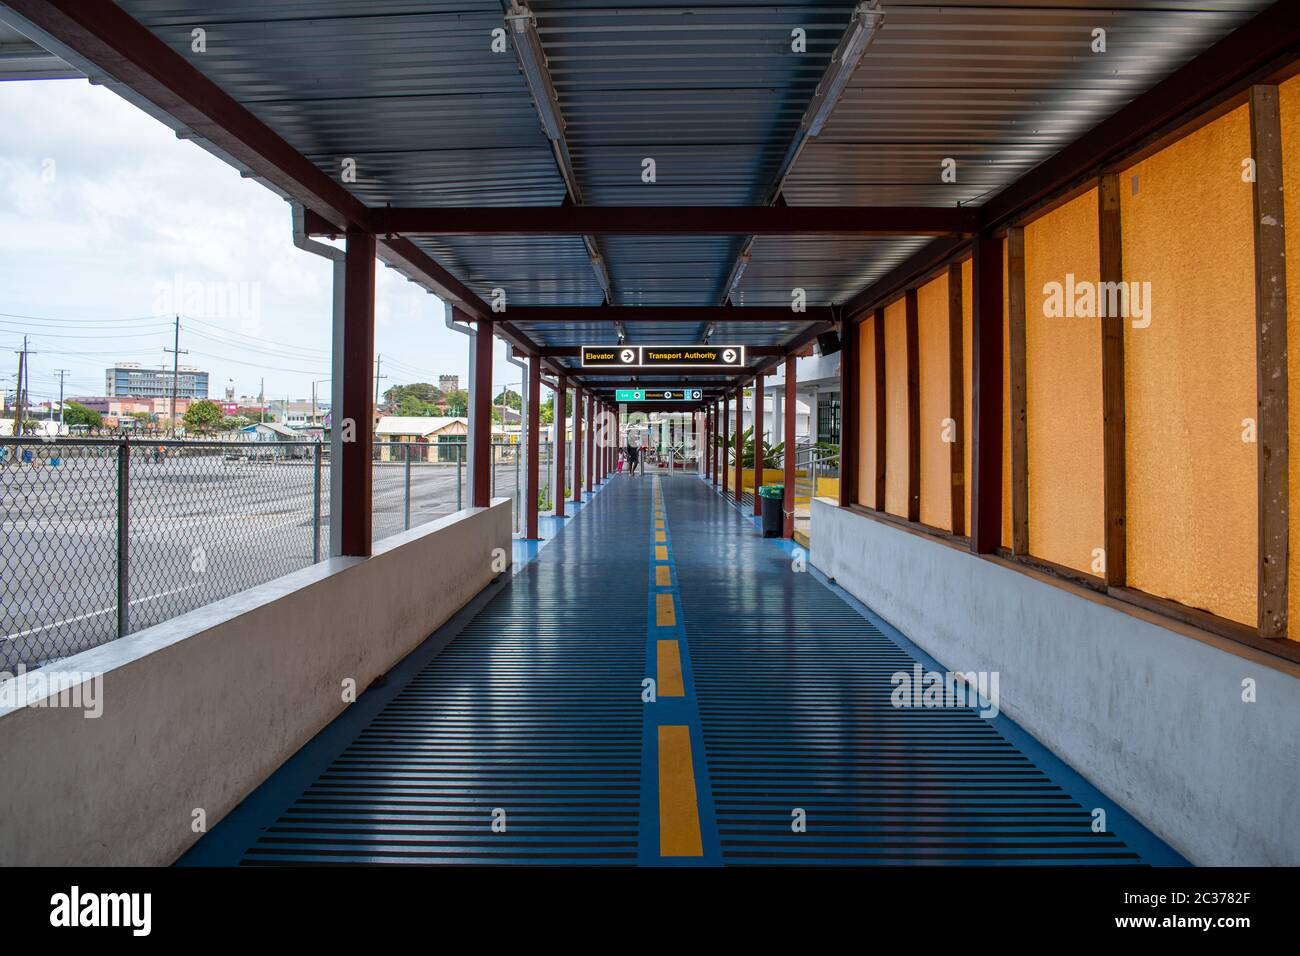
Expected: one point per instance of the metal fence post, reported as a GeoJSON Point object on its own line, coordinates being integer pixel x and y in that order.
{"type": "Point", "coordinates": [315, 504]}
{"type": "Point", "coordinates": [406, 507]}
{"type": "Point", "coordinates": [460, 484]}
{"type": "Point", "coordinates": [123, 538]}
{"type": "Point", "coordinates": [519, 498]}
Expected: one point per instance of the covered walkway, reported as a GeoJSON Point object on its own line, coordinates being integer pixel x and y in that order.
{"type": "Point", "coordinates": [519, 733]}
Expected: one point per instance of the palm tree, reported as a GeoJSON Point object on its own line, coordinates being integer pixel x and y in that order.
{"type": "Point", "coordinates": [773, 455]}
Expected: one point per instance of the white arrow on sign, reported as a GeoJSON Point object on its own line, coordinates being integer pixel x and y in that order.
{"type": "Point", "coordinates": [728, 356]}
{"type": "Point", "coordinates": [628, 356]}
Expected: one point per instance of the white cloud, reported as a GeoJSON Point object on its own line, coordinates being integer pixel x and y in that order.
{"type": "Point", "coordinates": [130, 207]}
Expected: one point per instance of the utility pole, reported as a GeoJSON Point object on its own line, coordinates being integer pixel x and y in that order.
{"type": "Point", "coordinates": [176, 376]}
{"type": "Point", "coordinates": [261, 399]}
{"type": "Point", "coordinates": [61, 372]}
{"type": "Point", "coordinates": [378, 359]}
{"type": "Point", "coordinates": [20, 388]}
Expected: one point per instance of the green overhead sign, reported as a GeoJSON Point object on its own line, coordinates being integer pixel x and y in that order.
{"type": "Point", "coordinates": [658, 395]}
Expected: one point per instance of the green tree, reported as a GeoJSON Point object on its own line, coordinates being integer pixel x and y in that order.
{"type": "Point", "coordinates": [416, 407]}
{"type": "Point", "coordinates": [773, 455]}
{"type": "Point", "coordinates": [202, 416]}
{"type": "Point", "coordinates": [509, 398]}
{"type": "Point", "coordinates": [457, 403]}
{"type": "Point", "coordinates": [74, 413]}
{"type": "Point", "coordinates": [419, 391]}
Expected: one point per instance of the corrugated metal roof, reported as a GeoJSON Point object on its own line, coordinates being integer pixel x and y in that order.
{"type": "Point", "coordinates": [712, 92]}
{"type": "Point", "coordinates": [21, 59]}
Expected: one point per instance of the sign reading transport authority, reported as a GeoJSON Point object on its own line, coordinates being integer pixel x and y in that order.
{"type": "Point", "coordinates": [664, 356]}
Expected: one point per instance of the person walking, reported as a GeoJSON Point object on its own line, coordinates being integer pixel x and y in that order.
{"type": "Point", "coordinates": [633, 455]}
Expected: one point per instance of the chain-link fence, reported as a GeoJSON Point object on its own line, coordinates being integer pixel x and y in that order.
{"type": "Point", "coordinates": [100, 538]}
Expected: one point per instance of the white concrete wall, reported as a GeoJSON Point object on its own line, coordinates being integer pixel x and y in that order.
{"type": "Point", "coordinates": [199, 710]}
{"type": "Point", "coordinates": [1153, 717]}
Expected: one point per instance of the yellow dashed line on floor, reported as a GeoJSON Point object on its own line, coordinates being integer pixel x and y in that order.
{"type": "Point", "coordinates": [661, 535]}
{"type": "Point", "coordinates": [670, 670]}
{"type": "Point", "coordinates": [665, 615]}
{"type": "Point", "coordinates": [663, 577]}
{"type": "Point", "coordinates": [679, 817]}
{"type": "Point", "coordinates": [661, 552]}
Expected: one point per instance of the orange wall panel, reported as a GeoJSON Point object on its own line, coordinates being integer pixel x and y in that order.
{"type": "Point", "coordinates": [1190, 374]}
{"type": "Point", "coordinates": [1006, 402]}
{"type": "Point", "coordinates": [968, 376]}
{"type": "Point", "coordinates": [896, 410]}
{"type": "Point", "coordinates": [1063, 396]}
{"type": "Point", "coordinates": [935, 405]}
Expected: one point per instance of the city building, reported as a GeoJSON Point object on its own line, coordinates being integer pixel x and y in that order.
{"type": "Point", "coordinates": [138, 381]}
{"type": "Point", "coordinates": [119, 412]}
{"type": "Point", "coordinates": [441, 439]}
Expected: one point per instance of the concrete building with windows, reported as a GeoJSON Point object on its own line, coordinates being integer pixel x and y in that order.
{"type": "Point", "coordinates": [133, 380]}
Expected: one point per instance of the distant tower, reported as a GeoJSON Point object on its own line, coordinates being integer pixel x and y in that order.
{"type": "Point", "coordinates": [449, 383]}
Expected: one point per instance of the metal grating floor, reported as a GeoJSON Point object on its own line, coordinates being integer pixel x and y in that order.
{"type": "Point", "coordinates": [794, 693]}
{"type": "Point", "coordinates": [535, 710]}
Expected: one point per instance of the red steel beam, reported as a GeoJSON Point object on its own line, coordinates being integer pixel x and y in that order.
{"type": "Point", "coordinates": [676, 220]}
{"type": "Point", "coordinates": [358, 397]}
{"type": "Point", "coordinates": [605, 315]}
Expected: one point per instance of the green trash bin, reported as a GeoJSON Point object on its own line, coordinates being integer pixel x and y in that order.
{"type": "Point", "coordinates": [773, 502]}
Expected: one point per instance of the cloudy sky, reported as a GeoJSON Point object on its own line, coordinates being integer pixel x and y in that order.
{"type": "Point", "coordinates": [108, 221]}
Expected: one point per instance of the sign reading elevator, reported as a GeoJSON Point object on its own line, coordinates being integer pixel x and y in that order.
{"type": "Point", "coordinates": [663, 356]}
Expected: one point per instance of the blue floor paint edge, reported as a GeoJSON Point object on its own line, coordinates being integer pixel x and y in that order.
{"type": "Point", "coordinates": [226, 843]}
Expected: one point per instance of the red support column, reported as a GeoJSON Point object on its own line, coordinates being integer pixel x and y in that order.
{"type": "Point", "coordinates": [758, 441]}
{"type": "Point", "coordinates": [713, 451]}
{"type": "Point", "coordinates": [561, 440]}
{"type": "Point", "coordinates": [591, 442]}
{"type": "Point", "coordinates": [358, 398]}
{"type": "Point", "coordinates": [481, 453]}
{"type": "Point", "coordinates": [791, 412]}
{"type": "Point", "coordinates": [986, 397]}
{"type": "Point", "coordinates": [578, 397]}
{"type": "Point", "coordinates": [726, 440]}
{"type": "Point", "coordinates": [850, 375]}
{"type": "Point", "coordinates": [532, 484]}
{"type": "Point", "coordinates": [740, 431]}
{"type": "Point", "coordinates": [706, 447]}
